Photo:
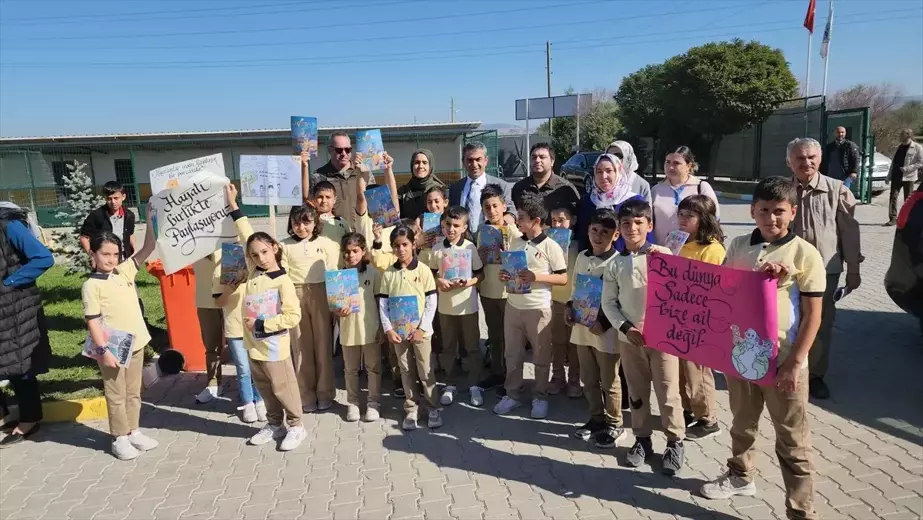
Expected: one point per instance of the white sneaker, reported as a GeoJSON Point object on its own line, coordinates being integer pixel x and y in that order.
{"type": "Point", "coordinates": [477, 396]}
{"type": "Point", "coordinates": [506, 405]}
{"type": "Point", "coordinates": [141, 441]}
{"type": "Point", "coordinates": [352, 413]}
{"type": "Point", "coordinates": [123, 450]}
{"type": "Point", "coordinates": [448, 396]}
{"type": "Point", "coordinates": [267, 433]}
{"type": "Point", "coordinates": [410, 421]}
{"type": "Point", "coordinates": [435, 419]}
{"type": "Point", "coordinates": [372, 414]}
{"type": "Point", "coordinates": [260, 410]}
{"type": "Point", "coordinates": [248, 413]}
{"type": "Point", "coordinates": [206, 395]}
{"type": "Point", "coordinates": [539, 408]}
{"type": "Point", "coordinates": [293, 438]}
{"type": "Point", "coordinates": [726, 486]}
{"type": "Point", "coordinates": [324, 405]}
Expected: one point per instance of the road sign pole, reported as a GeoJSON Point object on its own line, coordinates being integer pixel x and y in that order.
{"type": "Point", "coordinates": [528, 159]}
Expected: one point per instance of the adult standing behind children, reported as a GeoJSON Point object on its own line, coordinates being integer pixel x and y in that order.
{"type": "Point", "coordinates": [612, 186]}
{"type": "Point", "coordinates": [825, 219]}
{"type": "Point", "coordinates": [24, 347]}
{"type": "Point", "coordinates": [680, 182]}
{"type": "Point", "coordinates": [412, 196]}
{"type": "Point", "coordinates": [556, 191]}
{"type": "Point", "coordinates": [466, 192]}
{"type": "Point", "coordinates": [338, 171]}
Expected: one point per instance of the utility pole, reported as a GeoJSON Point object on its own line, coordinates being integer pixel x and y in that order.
{"type": "Point", "coordinates": [452, 108]}
{"type": "Point", "coordinates": [548, 78]}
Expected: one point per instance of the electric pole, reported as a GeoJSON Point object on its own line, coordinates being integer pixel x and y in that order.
{"type": "Point", "coordinates": [548, 78]}
{"type": "Point", "coordinates": [452, 108]}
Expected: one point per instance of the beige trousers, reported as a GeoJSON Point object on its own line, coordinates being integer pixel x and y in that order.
{"type": "Point", "coordinates": [520, 326]}
{"type": "Point", "coordinates": [122, 388]}
{"type": "Point", "coordinates": [644, 367]}
{"type": "Point", "coordinates": [312, 345]}
{"type": "Point", "coordinates": [352, 360]}
{"type": "Point", "coordinates": [278, 386]}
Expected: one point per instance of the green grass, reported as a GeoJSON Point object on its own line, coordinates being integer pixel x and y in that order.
{"type": "Point", "coordinates": [72, 376]}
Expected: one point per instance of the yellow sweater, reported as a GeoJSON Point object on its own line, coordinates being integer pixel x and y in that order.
{"type": "Point", "coordinates": [712, 253]}
{"type": "Point", "coordinates": [271, 295]}
{"type": "Point", "coordinates": [305, 260]}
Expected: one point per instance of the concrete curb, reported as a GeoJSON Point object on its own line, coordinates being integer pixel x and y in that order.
{"type": "Point", "coordinates": [739, 196]}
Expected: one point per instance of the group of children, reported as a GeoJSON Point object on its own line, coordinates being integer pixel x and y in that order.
{"type": "Point", "coordinates": [285, 365]}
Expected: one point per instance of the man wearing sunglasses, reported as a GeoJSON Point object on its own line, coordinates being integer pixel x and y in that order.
{"type": "Point", "coordinates": [339, 172]}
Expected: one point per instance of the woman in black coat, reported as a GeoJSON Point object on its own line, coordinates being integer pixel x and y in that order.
{"type": "Point", "coordinates": [412, 196]}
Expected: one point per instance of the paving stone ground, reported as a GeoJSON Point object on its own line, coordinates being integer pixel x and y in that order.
{"type": "Point", "coordinates": [868, 442]}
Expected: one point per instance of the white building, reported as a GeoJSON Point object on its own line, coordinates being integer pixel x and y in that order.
{"type": "Point", "coordinates": [31, 168]}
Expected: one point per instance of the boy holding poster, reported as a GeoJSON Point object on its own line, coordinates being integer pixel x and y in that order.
{"type": "Point", "coordinates": [624, 302]}
{"type": "Point", "coordinates": [801, 275]}
{"type": "Point", "coordinates": [597, 351]}
{"type": "Point", "coordinates": [458, 269]}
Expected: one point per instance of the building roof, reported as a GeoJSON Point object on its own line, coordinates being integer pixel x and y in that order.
{"type": "Point", "coordinates": [272, 135]}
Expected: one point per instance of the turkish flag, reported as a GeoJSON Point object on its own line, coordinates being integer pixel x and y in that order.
{"type": "Point", "coordinates": [809, 18]}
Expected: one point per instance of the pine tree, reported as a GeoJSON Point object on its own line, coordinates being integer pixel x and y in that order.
{"type": "Point", "coordinates": [81, 200]}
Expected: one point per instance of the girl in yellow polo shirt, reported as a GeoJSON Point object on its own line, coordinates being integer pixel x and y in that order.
{"type": "Point", "coordinates": [698, 217]}
{"type": "Point", "coordinates": [110, 306]}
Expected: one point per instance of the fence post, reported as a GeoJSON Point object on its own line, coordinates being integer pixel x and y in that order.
{"type": "Point", "coordinates": [28, 164]}
{"type": "Point", "coordinates": [142, 208]}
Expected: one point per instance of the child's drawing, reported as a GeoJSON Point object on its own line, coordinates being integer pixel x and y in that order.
{"type": "Point", "coordinates": [751, 355]}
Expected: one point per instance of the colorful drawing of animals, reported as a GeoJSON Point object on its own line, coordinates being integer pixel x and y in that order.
{"type": "Point", "coordinates": [370, 145]}
{"type": "Point", "coordinates": [404, 313]}
{"type": "Point", "coordinates": [456, 264]}
{"type": "Point", "coordinates": [515, 262]}
{"type": "Point", "coordinates": [381, 206]}
{"type": "Point", "coordinates": [343, 290]}
{"type": "Point", "coordinates": [304, 135]}
{"type": "Point", "coordinates": [262, 306]}
{"type": "Point", "coordinates": [588, 293]}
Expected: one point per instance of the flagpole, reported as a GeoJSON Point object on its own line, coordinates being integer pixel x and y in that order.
{"type": "Point", "coordinates": [828, 36]}
{"type": "Point", "coordinates": [807, 84]}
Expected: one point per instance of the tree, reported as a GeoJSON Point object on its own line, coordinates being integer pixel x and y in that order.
{"type": "Point", "coordinates": [599, 124]}
{"type": "Point", "coordinates": [81, 200]}
{"type": "Point", "coordinates": [889, 113]}
{"type": "Point", "coordinates": [713, 90]}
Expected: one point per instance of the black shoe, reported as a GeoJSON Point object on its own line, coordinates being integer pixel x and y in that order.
{"type": "Point", "coordinates": [626, 405]}
{"type": "Point", "coordinates": [609, 437]}
{"type": "Point", "coordinates": [639, 452]}
{"type": "Point", "coordinates": [673, 457]}
{"type": "Point", "coordinates": [703, 430]}
{"type": "Point", "coordinates": [689, 419]}
{"type": "Point", "coordinates": [890, 223]}
{"type": "Point", "coordinates": [818, 389]}
{"type": "Point", "coordinates": [492, 381]}
{"type": "Point", "coordinates": [591, 428]}
{"type": "Point", "coordinates": [399, 393]}
{"type": "Point", "coordinates": [16, 438]}
{"type": "Point", "coordinates": [8, 427]}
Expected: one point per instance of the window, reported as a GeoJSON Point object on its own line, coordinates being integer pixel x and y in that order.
{"type": "Point", "coordinates": [58, 170]}
{"type": "Point", "coordinates": [125, 175]}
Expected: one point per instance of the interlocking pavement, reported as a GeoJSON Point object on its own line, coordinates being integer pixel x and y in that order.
{"type": "Point", "coordinates": [868, 442]}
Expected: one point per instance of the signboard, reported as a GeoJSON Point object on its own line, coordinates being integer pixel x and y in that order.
{"type": "Point", "coordinates": [169, 176]}
{"type": "Point", "coordinates": [270, 180]}
{"type": "Point", "coordinates": [548, 107]}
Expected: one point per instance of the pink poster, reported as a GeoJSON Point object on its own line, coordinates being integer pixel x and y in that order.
{"type": "Point", "coordinates": [716, 316]}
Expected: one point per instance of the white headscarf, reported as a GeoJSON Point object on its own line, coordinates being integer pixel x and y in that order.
{"type": "Point", "coordinates": [629, 161]}
{"type": "Point", "coordinates": [620, 192]}
{"type": "Point", "coordinates": [30, 217]}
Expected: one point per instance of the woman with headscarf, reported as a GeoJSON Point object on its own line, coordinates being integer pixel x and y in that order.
{"type": "Point", "coordinates": [680, 182]}
{"type": "Point", "coordinates": [412, 196]}
{"type": "Point", "coordinates": [626, 154]}
{"type": "Point", "coordinates": [613, 184]}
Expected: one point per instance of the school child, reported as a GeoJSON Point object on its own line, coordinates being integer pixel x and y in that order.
{"type": "Point", "coordinates": [407, 277]}
{"type": "Point", "coordinates": [528, 316]}
{"type": "Point", "coordinates": [698, 217]}
{"type": "Point", "coordinates": [325, 199]}
{"type": "Point", "coordinates": [437, 199]}
{"type": "Point", "coordinates": [491, 289]}
{"type": "Point", "coordinates": [306, 255]}
{"type": "Point", "coordinates": [268, 342]}
{"type": "Point", "coordinates": [211, 322]}
{"type": "Point", "coordinates": [596, 346]}
{"type": "Point", "coordinates": [801, 275]}
{"type": "Point", "coordinates": [624, 302]}
{"type": "Point", "coordinates": [110, 303]}
{"type": "Point", "coordinates": [359, 331]}
{"type": "Point", "coordinates": [563, 353]}
{"type": "Point", "coordinates": [230, 299]}
{"type": "Point", "coordinates": [458, 309]}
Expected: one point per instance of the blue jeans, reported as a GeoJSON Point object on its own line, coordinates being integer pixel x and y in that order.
{"type": "Point", "coordinates": [246, 388]}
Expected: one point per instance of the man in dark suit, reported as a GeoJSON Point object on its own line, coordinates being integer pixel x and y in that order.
{"type": "Point", "coordinates": [466, 192]}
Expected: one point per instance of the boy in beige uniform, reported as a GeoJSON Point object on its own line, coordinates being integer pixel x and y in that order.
{"type": "Point", "coordinates": [564, 354]}
{"type": "Point", "coordinates": [528, 316]}
{"type": "Point", "coordinates": [457, 309]}
{"type": "Point", "coordinates": [801, 275]}
{"type": "Point", "coordinates": [625, 301]}
{"type": "Point", "coordinates": [211, 322]}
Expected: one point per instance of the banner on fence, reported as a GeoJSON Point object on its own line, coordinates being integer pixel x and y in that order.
{"type": "Point", "coordinates": [715, 316]}
{"type": "Point", "coordinates": [169, 176]}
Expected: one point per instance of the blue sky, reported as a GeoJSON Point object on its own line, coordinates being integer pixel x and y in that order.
{"type": "Point", "coordinates": [101, 66]}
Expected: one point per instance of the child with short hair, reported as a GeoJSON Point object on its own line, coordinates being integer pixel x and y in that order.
{"type": "Point", "coordinates": [492, 290]}
{"type": "Point", "coordinates": [111, 217]}
{"type": "Point", "coordinates": [306, 255]}
{"type": "Point", "coordinates": [407, 277]}
{"type": "Point", "coordinates": [268, 342]}
{"type": "Point", "coordinates": [458, 309]}
{"type": "Point", "coordinates": [596, 346]}
{"type": "Point", "coordinates": [697, 216]}
{"type": "Point", "coordinates": [325, 199]}
{"type": "Point", "coordinates": [110, 303]}
{"type": "Point", "coordinates": [624, 303]}
{"type": "Point", "coordinates": [359, 331]}
{"type": "Point", "coordinates": [563, 353]}
{"type": "Point", "coordinates": [528, 316]}
{"type": "Point", "coordinates": [229, 297]}
{"type": "Point", "coordinates": [801, 274]}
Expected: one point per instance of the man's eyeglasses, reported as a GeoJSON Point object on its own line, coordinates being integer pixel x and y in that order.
{"type": "Point", "coordinates": [343, 150]}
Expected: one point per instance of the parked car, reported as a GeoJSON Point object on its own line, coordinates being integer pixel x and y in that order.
{"type": "Point", "coordinates": [579, 169]}
{"type": "Point", "coordinates": [904, 279]}
{"type": "Point", "coordinates": [880, 180]}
